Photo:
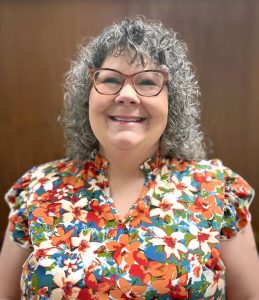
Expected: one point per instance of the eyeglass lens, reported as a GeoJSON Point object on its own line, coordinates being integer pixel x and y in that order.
{"type": "Point", "coordinates": [110, 82]}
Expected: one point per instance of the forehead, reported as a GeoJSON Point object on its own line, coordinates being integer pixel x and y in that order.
{"type": "Point", "coordinates": [126, 63]}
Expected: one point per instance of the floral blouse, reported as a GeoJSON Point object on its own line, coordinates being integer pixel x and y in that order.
{"type": "Point", "coordinates": [167, 246]}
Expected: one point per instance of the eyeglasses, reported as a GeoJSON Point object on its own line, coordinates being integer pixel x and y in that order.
{"type": "Point", "coordinates": [146, 83]}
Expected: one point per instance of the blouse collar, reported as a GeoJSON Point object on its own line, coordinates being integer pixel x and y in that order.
{"type": "Point", "coordinates": [157, 161]}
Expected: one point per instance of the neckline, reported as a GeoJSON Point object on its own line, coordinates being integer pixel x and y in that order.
{"type": "Point", "coordinates": [150, 167]}
{"type": "Point", "coordinates": [150, 164]}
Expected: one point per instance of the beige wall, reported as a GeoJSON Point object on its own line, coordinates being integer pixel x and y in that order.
{"type": "Point", "coordinates": [38, 38]}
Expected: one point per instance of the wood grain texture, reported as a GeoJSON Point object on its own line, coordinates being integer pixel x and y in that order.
{"type": "Point", "coordinates": [38, 39]}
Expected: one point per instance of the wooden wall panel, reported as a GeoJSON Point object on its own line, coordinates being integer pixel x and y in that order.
{"type": "Point", "coordinates": [38, 39]}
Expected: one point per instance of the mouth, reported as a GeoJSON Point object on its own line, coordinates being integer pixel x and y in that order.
{"type": "Point", "coordinates": [127, 119]}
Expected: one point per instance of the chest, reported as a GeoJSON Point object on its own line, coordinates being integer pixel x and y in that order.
{"type": "Point", "coordinates": [168, 239]}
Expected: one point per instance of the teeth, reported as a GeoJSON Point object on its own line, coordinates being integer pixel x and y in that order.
{"type": "Point", "coordinates": [119, 119]}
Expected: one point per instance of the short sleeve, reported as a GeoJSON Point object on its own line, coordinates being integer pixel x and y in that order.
{"type": "Point", "coordinates": [16, 198]}
{"type": "Point", "coordinates": [238, 195]}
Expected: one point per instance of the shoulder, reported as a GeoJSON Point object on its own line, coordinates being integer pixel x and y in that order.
{"type": "Point", "coordinates": [210, 167]}
{"type": "Point", "coordinates": [43, 173]}
{"type": "Point", "coordinates": [211, 170]}
{"type": "Point", "coordinates": [63, 166]}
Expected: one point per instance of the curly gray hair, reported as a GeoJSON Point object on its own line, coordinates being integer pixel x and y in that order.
{"type": "Point", "coordinates": [182, 136]}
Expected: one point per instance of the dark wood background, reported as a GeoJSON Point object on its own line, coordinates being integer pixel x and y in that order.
{"type": "Point", "coordinates": [38, 39]}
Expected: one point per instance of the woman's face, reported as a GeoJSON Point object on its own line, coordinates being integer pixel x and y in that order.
{"type": "Point", "coordinates": [127, 121]}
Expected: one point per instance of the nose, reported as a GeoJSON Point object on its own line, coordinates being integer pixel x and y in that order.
{"type": "Point", "coordinates": [127, 95]}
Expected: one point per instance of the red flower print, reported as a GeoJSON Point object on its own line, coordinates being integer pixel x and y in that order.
{"type": "Point", "coordinates": [178, 288]}
{"type": "Point", "coordinates": [100, 214]}
{"type": "Point", "coordinates": [243, 217]}
{"type": "Point", "coordinates": [227, 233]}
{"type": "Point", "coordinates": [213, 262]}
{"type": "Point", "coordinates": [141, 272]}
{"type": "Point", "coordinates": [94, 289]}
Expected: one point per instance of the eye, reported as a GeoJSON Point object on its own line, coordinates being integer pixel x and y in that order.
{"type": "Point", "coordinates": [147, 82]}
{"type": "Point", "coordinates": [108, 77]}
{"type": "Point", "coordinates": [111, 80]}
{"type": "Point", "coordinates": [150, 79]}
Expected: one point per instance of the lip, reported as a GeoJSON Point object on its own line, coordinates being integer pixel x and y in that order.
{"type": "Point", "coordinates": [126, 119]}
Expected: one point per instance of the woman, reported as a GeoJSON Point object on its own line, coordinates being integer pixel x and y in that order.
{"type": "Point", "coordinates": [135, 211]}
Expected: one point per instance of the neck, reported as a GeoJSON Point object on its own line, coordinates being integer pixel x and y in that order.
{"type": "Point", "coordinates": [126, 162]}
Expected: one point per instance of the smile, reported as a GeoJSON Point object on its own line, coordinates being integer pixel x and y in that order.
{"type": "Point", "coordinates": [127, 119]}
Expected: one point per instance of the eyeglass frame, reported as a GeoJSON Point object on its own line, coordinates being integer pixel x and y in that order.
{"type": "Point", "coordinates": [130, 77]}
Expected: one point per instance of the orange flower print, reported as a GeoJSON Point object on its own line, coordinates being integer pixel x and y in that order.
{"type": "Point", "coordinates": [166, 247]}
{"type": "Point", "coordinates": [67, 167]}
{"type": "Point", "coordinates": [123, 249]}
{"type": "Point", "coordinates": [62, 237]}
{"type": "Point", "coordinates": [140, 214]}
{"type": "Point", "coordinates": [207, 207]}
{"type": "Point", "coordinates": [207, 182]}
{"type": "Point", "coordinates": [180, 164]}
{"type": "Point", "coordinates": [47, 212]}
{"type": "Point", "coordinates": [100, 214]}
{"type": "Point", "coordinates": [128, 291]}
{"type": "Point", "coordinates": [74, 181]}
{"type": "Point", "coordinates": [162, 275]}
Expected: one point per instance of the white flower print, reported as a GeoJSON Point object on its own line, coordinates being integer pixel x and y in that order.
{"type": "Point", "coordinates": [171, 243]}
{"type": "Point", "coordinates": [202, 238]}
{"type": "Point", "coordinates": [74, 211]}
{"type": "Point", "coordinates": [166, 206]}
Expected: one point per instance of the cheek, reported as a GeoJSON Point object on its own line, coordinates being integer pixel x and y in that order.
{"type": "Point", "coordinates": [163, 109]}
{"type": "Point", "coordinates": [98, 103]}
{"type": "Point", "coordinates": [93, 108]}
{"type": "Point", "coordinates": [163, 113]}
{"type": "Point", "coordinates": [95, 105]}
{"type": "Point", "coordinates": [165, 106]}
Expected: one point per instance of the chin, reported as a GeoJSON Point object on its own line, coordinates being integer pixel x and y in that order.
{"type": "Point", "coordinates": [125, 145]}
